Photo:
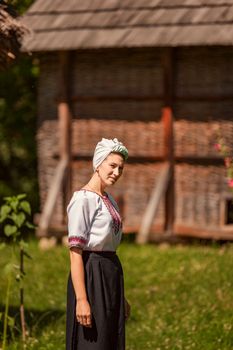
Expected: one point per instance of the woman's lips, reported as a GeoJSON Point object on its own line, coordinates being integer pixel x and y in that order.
{"type": "Point", "coordinates": [112, 179]}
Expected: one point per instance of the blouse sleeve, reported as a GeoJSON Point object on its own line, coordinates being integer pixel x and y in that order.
{"type": "Point", "coordinates": [81, 211]}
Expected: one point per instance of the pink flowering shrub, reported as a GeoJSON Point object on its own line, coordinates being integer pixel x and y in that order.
{"type": "Point", "coordinates": [230, 183]}
{"type": "Point", "coordinates": [228, 160]}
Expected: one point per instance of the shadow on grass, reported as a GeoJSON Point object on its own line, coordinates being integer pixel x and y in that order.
{"type": "Point", "coordinates": [36, 320]}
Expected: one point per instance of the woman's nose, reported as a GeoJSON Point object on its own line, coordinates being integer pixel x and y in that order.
{"type": "Point", "coordinates": [116, 172]}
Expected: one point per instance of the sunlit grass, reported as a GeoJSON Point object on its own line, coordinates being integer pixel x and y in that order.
{"type": "Point", "coordinates": [181, 297]}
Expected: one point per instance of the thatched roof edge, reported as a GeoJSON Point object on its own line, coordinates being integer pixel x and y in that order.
{"type": "Point", "coordinates": [96, 24]}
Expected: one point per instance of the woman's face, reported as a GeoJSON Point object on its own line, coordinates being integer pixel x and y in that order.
{"type": "Point", "coordinates": [110, 170]}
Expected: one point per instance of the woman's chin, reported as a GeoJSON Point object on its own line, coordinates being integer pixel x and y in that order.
{"type": "Point", "coordinates": [110, 182]}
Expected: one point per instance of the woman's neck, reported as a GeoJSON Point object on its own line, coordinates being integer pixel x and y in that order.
{"type": "Point", "coordinates": [95, 185]}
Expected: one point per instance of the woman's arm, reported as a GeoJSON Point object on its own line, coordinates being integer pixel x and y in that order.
{"type": "Point", "coordinates": [83, 310]}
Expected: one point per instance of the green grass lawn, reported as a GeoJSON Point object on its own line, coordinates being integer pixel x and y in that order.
{"type": "Point", "coordinates": [181, 297]}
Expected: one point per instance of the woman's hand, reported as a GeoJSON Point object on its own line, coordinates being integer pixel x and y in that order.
{"type": "Point", "coordinates": [83, 313]}
{"type": "Point", "coordinates": [127, 310]}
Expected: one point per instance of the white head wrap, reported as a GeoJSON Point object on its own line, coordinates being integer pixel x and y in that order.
{"type": "Point", "coordinates": [105, 147]}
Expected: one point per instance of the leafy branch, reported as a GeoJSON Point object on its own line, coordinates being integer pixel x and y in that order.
{"type": "Point", "coordinates": [14, 215]}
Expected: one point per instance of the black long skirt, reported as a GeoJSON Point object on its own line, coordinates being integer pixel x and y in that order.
{"type": "Point", "coordinates": [105, 292]}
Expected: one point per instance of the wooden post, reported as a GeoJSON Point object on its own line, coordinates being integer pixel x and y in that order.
{"type": "Point", "coordinates": [65, 121]}
{"type": "Point", "coordinates": [169, 157]}
{"type": "Point", "coordinates": [62, 174]}
{"type": "Point", "coordinates": [168, 76]}
{"type": "Point", "coordinates": [167, 119]}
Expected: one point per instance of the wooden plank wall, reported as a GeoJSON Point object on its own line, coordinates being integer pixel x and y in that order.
{"type": "Point", "coordinates": [121, 94]}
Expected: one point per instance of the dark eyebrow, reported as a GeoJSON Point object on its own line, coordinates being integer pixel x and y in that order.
{"type": "Point", "coordinates": [122, 166]}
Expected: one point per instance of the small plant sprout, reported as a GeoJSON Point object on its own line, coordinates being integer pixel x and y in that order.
{"type": "Point", "coordinates": [14, 214]}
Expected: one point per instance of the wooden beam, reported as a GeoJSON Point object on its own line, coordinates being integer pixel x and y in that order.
{"type": "Point", "coordinates": [203, 98]}
{"type": "Point", "coordinates": [168, 60]}
{"type": "Point", "coordinates": [204, 233]}
{"type": "Point", "coordinates": [64, 125]}
{"type": "Point", "coordinates": [145, 98]}
{"type": "Point", "coordinates": [51, 199]}
{"type": "Point", "coordinates": [158, 192]}
{"type": "Point", "coordinates": [169, 157]}
{"type": "Point", "coordinates": [61, 181]}
{"type": "Point", "coordinates": [107, 98]}
{"type": "Point", "coordinates": [202, 160]}
{"type": "Point", "coordinates": [168, 76]}
{"type": "Point", "coordinates": [65, 121]}
{"type": "Point", "coordinates": [167, 120]}
{"type": "Point", "coordinates": [205, 160]}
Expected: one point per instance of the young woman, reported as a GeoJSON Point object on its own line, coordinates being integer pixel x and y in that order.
{"type": "Point", "coordinates": [96, 306]}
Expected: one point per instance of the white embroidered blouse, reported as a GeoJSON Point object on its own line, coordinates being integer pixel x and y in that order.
{"type": "Point", "coordinates": [94, 222]}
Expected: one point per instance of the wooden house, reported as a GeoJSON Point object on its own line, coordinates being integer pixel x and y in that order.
{"type": "Point", "coordinates": [156, 74]}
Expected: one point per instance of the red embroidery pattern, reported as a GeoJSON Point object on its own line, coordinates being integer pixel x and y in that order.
{"type": "Point", "coordinates": [74, 241]}
{"type": "Point", "coordinates": [117, 223]}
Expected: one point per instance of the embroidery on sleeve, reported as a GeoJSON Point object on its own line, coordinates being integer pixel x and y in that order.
{"type": "Point", "coordinates": [74, 241]}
